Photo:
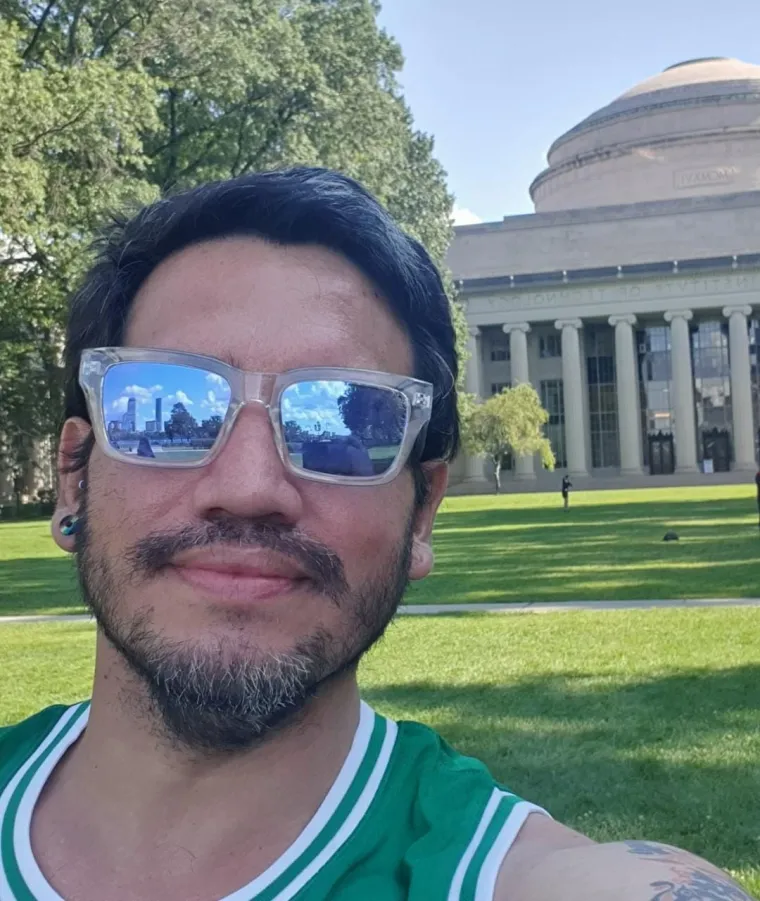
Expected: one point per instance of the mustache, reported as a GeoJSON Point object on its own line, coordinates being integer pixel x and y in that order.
{"type": "Point", "coordinates": [157, 550]}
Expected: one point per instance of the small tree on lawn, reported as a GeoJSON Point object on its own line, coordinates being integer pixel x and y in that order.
{"type": "Point", "coordinates": [511, 422]}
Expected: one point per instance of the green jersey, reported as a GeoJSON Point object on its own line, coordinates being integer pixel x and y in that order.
{"type": "Point", "coordinates": [407, 818]}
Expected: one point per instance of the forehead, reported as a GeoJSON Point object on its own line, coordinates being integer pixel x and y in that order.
{"type": "Point", "coordinates": [268, 307]}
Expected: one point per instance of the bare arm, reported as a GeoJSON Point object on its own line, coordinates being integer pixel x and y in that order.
{"type": "Point", "coordinates": [550, 862]}
{"type": "Point", "coordinates": [623, 871]}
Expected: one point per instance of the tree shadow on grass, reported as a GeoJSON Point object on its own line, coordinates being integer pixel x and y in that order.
{"type": "Point", "coordinates": [39, 585]}
{"type": "Point", "coordinates": [603, 551]}
{"type": "Point", "coordinates": [673, 759]}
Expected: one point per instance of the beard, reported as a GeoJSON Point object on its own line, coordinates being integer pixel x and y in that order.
{"type": "Point", "coordinates": [230, 695]}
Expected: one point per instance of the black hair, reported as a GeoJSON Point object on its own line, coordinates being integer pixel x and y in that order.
{"type": "Point", "coordinates": [287, 206]}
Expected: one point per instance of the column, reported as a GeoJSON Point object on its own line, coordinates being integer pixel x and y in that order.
{"type": "Point", "coordinates": [741, 387]}
{"type": "Point", "coordinates": [627, 381]}
{"type": "Point", "coordinates": [683, 390]}
{"type": "Point", "coordinates": [473, 382]}
{"type": "Point", "coordinates": [518, 355]}
{"type": "Point", "coordinates": [572, 383]}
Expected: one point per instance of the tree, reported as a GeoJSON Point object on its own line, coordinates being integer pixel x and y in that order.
{"type": "Point", "coordinates": [508, 423]}
{"type": "Point", "coordinates": [373, 414]}
{"type": "Point", "coordinates": [69, 142]}
{"type": "Point", "coordinates": [110, 102]}
{"type": "Point", "coordinates": [210, 427]}
{"type": "Point", "coordinates": [182, 424]}
{"type": "Point", "coordinates": [295, 433]}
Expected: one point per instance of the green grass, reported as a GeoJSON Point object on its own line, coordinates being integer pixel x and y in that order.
{"type": "Point", "coordinates": [35, 576]}
{"type": "Point", "coordinates": [623, 724]}
{"type": "Point", "coordinates": [608, 546]}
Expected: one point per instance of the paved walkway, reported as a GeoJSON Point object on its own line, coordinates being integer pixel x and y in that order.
{"type": "Point", "coordinates": [437, 609]}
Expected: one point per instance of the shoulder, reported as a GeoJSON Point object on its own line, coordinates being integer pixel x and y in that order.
{"type": "Point", "coordinates": [551, 862]}
{"type": "Point", "coordinates": [463, 820]}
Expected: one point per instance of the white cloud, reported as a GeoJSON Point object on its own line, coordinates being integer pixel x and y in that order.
{"type": "Point", "coordinates": [218, 407]}
{"type": "Point", "coordinates": [462, 216]}
{"type": "Point", "coordinates": [333, 389]}
{"type": "Point", "coordinates": [216, 379]}
{"type": "Point", "coordinates": [180, 397]}
{"type": "Point", "coordinates": [120, 404]}
{"type": "Point", "coordinates": [142, 395]}
{"type": "Point", "coordinates": [326, 417]}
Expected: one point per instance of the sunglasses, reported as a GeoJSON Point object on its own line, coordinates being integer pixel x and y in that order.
{"type": "Point", "coordinates": [167, 409]}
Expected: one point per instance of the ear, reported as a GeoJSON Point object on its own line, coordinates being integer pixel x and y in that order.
{"type": "Point", "coordinates": [74, 432]}
{"type": "Point", "coordinates": [421, 563]}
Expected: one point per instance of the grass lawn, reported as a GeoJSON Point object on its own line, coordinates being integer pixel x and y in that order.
{"type": "Point", "coordinates": [637, 724]}
{"type": "Point", "coordinates": [608, 546]}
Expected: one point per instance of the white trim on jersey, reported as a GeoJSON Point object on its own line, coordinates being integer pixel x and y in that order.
{"type": "Point", "coordinates": [43, 891]}
{"type": "Point", "coordinates": [489, 872]}
{"type": "Point", "coordinates": [455, 892]}
{"type": "Point", "coordinates": [5, 798]}
{"type": "Point", "coordinates": [349, 824]}
{"type": "Point", "coordinates": [320, 819]}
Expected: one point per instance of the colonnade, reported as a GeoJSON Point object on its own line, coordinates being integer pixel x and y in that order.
{"type": "Point", "coordinates": [627, 381]}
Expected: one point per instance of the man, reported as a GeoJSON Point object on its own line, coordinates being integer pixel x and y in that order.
{"type": "Point", "coordinates": [237, 582]}
{"type": "Point", "coordinates": [566, 486]}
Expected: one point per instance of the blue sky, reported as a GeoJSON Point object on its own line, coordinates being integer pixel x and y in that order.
{"type": "Point", "coordinates": [204, 394]}
{"type": "Point", "coordinates": [496, 81]}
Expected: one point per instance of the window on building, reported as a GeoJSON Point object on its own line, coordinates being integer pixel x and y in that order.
{"type": "Point", "coordinates": [602, 396]}
{"type": "Point", "coordinates": [550, 345]}
{"type": "Point", "coordinates": [754, 360]}
{"type": "Point", "coordinates": [655, 375]}
{"type": "Point", "coordinates": [712, 390]}
{"type": "Point", "coordinates": [499, 353]}
{"type": "Point", "coordinates": [498, 387]}
{"type": "Point", "coordinates": [553, 401]}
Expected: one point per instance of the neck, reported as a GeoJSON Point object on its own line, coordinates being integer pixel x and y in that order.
{"type": "Point", "coordinates": [124, 777]}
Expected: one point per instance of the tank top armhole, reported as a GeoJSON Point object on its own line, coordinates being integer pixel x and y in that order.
{"type": "Point", "coordinates": [478, 870]}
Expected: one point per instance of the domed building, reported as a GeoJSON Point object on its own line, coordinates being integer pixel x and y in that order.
{"type": "Point", "coordinates": [631, 298]}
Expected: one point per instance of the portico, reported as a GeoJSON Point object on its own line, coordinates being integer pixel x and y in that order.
{"type": "Point", "coordinates": [640, 375]}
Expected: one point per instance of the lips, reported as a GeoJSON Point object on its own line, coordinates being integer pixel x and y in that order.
{"type": "Point", "coordinates": [237, 577]}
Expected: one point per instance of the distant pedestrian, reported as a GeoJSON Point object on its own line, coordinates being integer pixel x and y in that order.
{"type": "Point", "coordinates": [567, 485]}
{"type": "Point", "coordinates": [757, 483]}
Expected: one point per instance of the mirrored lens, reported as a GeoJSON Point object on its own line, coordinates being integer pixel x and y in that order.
{"type": "Point", "coordinates": [163, 412]}
{"type": "Point", "coordinates": [343, 428]}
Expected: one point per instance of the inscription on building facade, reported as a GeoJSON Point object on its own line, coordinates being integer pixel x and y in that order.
{"type": "Point", "coordinates": [516, 304]}
{"type": "Point", "coordinates": [700, 178]}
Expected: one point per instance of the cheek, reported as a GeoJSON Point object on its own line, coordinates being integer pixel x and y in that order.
{"type": "Point", "coordinates": [364, 526]}
{"type": "Point", "coordinates": [126, 502]}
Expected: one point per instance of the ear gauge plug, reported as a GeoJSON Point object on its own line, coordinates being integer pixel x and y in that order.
{"type": "Point", "coordinates": [69, 524]}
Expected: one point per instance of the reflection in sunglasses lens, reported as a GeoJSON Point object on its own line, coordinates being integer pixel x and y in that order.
{"type": "Point", "coordinates": [162, 411]}
{"type": "Point", "coordinates": [343, 428]}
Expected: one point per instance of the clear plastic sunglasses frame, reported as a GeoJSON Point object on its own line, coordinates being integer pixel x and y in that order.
{"type": "Point", "coordinates": [257, 388]}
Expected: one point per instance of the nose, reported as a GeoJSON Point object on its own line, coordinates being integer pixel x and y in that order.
{"type": "Point", "coordinates": [248, 478]}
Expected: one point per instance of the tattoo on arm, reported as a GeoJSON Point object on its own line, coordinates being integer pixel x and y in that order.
{"type": "Point", "coordinates": [690, 882]}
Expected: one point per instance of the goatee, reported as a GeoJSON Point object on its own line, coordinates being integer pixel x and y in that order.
{"type": "Point", "coordinates": [230, 695]}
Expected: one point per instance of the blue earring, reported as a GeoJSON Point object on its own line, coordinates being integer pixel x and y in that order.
{"type": "Point", "coordinates": [69, 525]}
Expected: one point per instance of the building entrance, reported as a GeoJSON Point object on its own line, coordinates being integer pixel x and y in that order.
{"type": "Point", "coordinates": [716, 446]}
{"type": "Point", "coordinates": [661, 454]}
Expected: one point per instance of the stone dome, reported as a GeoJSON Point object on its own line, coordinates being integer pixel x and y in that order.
{"type": "Point", "coordinates": [691, 130]}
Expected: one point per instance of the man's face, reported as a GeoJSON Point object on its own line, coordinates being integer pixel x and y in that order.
{"type": "Point", "coordinates": [317, 570]}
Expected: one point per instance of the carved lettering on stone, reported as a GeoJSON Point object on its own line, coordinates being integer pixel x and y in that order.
{"type": "Point", "coordinates": [516, 300]}
{"type": "Point", "coordinates": [685, 179]}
